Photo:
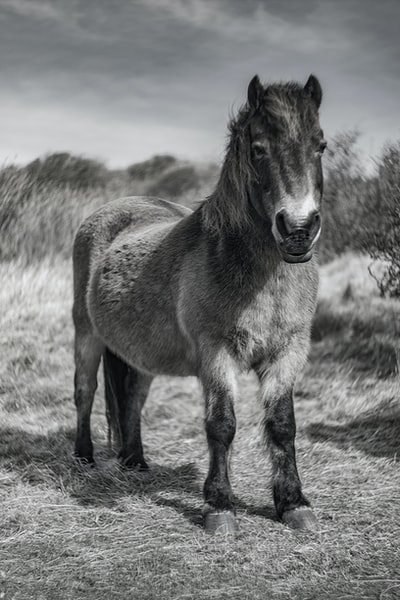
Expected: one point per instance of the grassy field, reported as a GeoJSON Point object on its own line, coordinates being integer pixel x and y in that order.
{"type": "Point", "coordinates": [67, 532]}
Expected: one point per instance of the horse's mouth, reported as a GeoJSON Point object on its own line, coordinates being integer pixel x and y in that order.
{"type": "Point", "coordinates": [296, 257]}
{"type": "Point", "coordinates": [292, 252]}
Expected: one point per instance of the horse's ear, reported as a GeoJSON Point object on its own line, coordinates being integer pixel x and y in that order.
{"type": "Point", "coordinates": [255, 92]}
{"type": "Point", "coordinates": [313, 89]}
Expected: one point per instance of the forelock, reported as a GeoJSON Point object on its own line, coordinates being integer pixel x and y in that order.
{"type": "Point", "coordinates": [288, 109]}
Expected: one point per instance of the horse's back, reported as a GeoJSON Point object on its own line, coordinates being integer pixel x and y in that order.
{"type": "Point", "coordinates": [132, 212]}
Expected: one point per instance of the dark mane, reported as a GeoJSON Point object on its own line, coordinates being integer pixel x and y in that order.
{"type": "Point", "coordinates": [237, 175]}
{"type": "Point", "coordinates": [288, 112]}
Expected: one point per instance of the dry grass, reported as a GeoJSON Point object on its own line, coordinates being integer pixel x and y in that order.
{"type": "Point", "coordinates": [39, 219]}
{"type": "Point", "coordinates": [103, 533]}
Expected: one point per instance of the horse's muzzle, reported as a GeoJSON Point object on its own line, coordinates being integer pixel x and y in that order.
{"type": "Point", "coordinates": [296, 244]}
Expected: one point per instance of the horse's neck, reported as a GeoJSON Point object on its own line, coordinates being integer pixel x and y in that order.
{"type": "Point", "coordinates": [245, 258]}
{"type": "Point", "coordinates": [239, 234]}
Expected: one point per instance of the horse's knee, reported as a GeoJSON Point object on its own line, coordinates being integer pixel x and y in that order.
{"type": "Point", "coordinates": [88, 352]}
{"type": "Point", "coordinates": [219, 383]}
{"type": "Point", "coordinates": [85, 383]}
{"type": "Point", "coordinates": [279, 420]}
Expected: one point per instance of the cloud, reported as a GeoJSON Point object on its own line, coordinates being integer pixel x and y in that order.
{"type": "Point", "coordinates": [77, 20]}
{"type": "Point", "coordinates": [253, 25]}
{"type": "Point", "coordinates": [37, 9]}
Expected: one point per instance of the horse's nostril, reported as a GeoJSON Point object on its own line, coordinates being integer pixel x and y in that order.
{"type": "Point", "coordinates": [314, 224]}
{"type": "Point", "coordinates": [281, 224]}
{"type": "Point", "coordinates": [316, 219]}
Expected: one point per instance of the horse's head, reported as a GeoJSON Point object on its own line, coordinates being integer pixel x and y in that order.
{"type": "Point", "coordinates": [286, 145]}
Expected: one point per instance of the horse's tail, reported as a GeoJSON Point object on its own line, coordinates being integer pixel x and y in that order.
{"type": "Point", "coordinates": [115, 374]}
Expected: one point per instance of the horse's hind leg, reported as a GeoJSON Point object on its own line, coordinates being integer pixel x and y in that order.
{"type": "Point", "coordinates": [218, 379]}
{"type": "Point", "coordinates": [277, 382]}
{"type": "Point", "coordinates": [126, 392]}
{"type": "Point", "coordinates": [88, 350]}
{"type": "Point", "coordinates": [137, 389]}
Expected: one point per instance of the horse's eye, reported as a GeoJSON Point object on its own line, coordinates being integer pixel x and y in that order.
{"type": "Point", "coordinates": [322, 145]}
{"type": "Point", "coordinates": [259, 150]}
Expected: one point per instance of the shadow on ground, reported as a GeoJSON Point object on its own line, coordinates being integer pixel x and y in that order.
{"type": "Point", "coordinates": [48, 461]}
{"type": "Point", "coordinates": [375, 434]}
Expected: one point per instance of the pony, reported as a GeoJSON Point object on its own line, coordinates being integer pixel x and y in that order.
{"type": "Point", "coordinates": [228, 287]}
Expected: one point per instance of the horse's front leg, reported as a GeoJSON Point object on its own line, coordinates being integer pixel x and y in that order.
{"type": "Point", "coordinates": [218, 379]}
{"type": "Point", "coordinates": [277, 382]}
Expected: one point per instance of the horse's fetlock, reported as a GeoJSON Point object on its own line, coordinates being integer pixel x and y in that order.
{"type": "Point", "coordinates": [288, 495]}
{"type": "Point", "coordinates": [218, 494]}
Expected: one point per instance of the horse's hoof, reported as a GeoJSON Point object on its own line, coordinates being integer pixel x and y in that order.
{"type": "Point", "coordinates": [134, 465]}
{"type": "Point", "coordinates": [143, 466]}
{"type": "Point", "coordinates": [300, 518]}
{"type": "Point", "coordinates": [84, 461]}
{"type": "Point", "coordinates": [220, 522]}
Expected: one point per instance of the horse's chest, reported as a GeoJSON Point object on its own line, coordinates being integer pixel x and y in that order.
{"type": "Point", "coordinates": [264, 329]}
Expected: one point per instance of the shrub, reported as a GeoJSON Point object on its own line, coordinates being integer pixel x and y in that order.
{"type": "Point", "coordinates": [383, 240]}
{"type": "Point", "coordinates": [343, 210]}
{"type": "Point", "coordinates": [363, 213]}
{"type": "Point", "coordinates": [153, 167]}
{"type": "Point", "coordinates": [175, 182]}
{"type": "Point", "coordinates": [39, 219]}
{"type": "Point", "coordinates": [15, 188]}
{"type": "Point", "coordinates": [62, 169]}
{"type": "Point", "coordinates": [45, 225]}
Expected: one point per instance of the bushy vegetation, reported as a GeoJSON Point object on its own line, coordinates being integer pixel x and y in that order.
{"type": "Point", "coordinates": [37, 219]}
{"type": "Point", "coordinates": [43, 203]}
{"type": "Point", "coordinates": [362, 212]}
{"type": "Point", "coordinates": [153, 167]}
{"type": "Point", "coordinates": [383, 241]}
{"type": "Point", "coordinates": [343, 197]}
{"type": "Point", "coordinates": [64, 170]}
{"type": "Point", "coordinates": [175, 182]}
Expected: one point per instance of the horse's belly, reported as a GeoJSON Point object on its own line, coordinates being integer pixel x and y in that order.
{"type": "Point", "coordinates": [149, 342]}
{"type": "Point", "coordinates": [155, 354]}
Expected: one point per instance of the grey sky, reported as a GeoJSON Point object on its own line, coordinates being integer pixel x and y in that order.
{"type": "Point", "coordinates": [122, 80]}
